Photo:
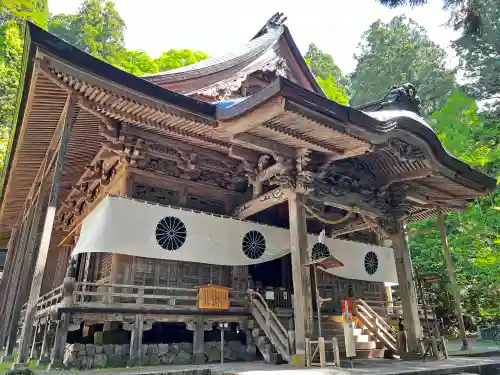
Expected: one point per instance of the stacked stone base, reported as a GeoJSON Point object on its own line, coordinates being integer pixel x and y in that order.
{"type": "Point", "coordinates": [88, 356]}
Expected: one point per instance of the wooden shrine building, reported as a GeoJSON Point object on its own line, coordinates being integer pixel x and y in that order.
{"type": "Point", "coordinates": [243, 149]}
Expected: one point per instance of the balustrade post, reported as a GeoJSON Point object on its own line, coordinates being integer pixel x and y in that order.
{"type": "Point", "coordinates": [68, 298]}
{"type": "Point", "coordinates": [45, 349]}
{"type": "Point", "coordinates": [33, 344]}
{"type": "Point", "coordinates": [60, 341]}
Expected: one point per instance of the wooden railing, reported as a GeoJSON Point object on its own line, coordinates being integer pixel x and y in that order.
{"type": "Point", "coordinates": [270, 324]}
{"type": "Point", "coordinates": [377, 325]}
{"type": "Point", "coordinates": [87, 294]}
{"type": "Point", "coordinates": [45, 303]}
{"type": "Point", "coordinates": [490, 333]}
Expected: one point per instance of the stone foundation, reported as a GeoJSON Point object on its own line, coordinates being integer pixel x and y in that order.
{"type": "Point", "coordinates": [87, 356]}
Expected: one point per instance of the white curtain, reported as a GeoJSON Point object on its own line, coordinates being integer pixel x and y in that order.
{"type": "Point", "coordinates": [125, 226]}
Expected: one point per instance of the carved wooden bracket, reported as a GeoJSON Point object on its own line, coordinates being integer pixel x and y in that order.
{"type": "Point", "coordinates": [269, 199]}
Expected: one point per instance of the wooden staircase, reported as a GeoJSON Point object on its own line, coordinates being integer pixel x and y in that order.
{"type": "Point", "coordinates": [268, 334]}
{"type": "Point", "coordinates": [367, 346]}
{"type": "Point", "coordinates": [375, 325]}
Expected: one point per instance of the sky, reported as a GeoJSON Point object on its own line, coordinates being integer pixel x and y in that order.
{"type": "Point", "coordinates": [219, 26]}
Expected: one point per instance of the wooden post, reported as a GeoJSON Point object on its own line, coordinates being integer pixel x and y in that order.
{"type": "Point", "coordinates": [302, 300]}
{"type": "Point", "coordinates": [14, 301]}
{"type": "Point", "coordinates": [322, 353]}
{"type": "Point", "coordinates": [198, 342]}
{"type": "Point", "coordinates": [33, 344]}
{"type": "Point", "coordinates": [67, 118]}
{"type": "Point", "coordinates": [451, 275]}
{"type": "Point", "coordinates": [388, 294]}
{"type": "Point", "coordinates": [136, 342]}
{"type": "Point", "coordinates": [27, 264]}
{"type": "Point", "coordinates": [407, 291]}
{"type": "Point", "coordinates": [4, 282]}
{"type": "Point", "coordinates": [60, 342]}
{"type": "Point", "coordinates": [45, 349]}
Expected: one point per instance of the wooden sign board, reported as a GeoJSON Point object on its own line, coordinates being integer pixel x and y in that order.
{"type": "Point", "coordinates": [213, 297]}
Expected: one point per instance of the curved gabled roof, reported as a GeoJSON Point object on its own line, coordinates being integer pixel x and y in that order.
{"type": "Point", "coordinates": [271, 42]}
{"type": "Point", "coordinates": [242, 56]}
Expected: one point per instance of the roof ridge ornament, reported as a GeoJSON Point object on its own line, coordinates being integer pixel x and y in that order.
{"type": "Point", "coordinates": [276, 21]}
{"type": "Point", "coordinates": [404, 98]}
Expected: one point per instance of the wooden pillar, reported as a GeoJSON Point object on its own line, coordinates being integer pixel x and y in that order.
{"type": "Point", "coordinates": [15, 299]}
{"type": "Point", "coordinates": [302, 295]}
{"type": "Point", "coordinates": [45, 349]}
{"type": "Point", "coordinates": [407, 291]}
{"type": "Point", "coordinates": [27, 329]}
{"type": "Point", "coordinates": [388, 295]}
{"type": "Point", "coordinates": [11, 246]}
{"type": "Point", "coordinates": [60, 341]}
{"type": "Point", "coordinates": [7, 282]}
{"type": "Point", "coordinates": [198, 342]}
{"type": "Point", "coordinates": [136, 341]}
{"type": "Point", "coordinates": [451, 275]}
{"type": "Point", "coordinates": [27, 264]}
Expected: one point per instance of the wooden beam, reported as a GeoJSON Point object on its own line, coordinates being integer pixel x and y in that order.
{"type": "Point", "coordinates": [243, 154]}
{"type": "Point", "coordinates": [269, 199]}
{"type": "Point", "coordinates": [27, 329]}
{"type": "Point", "coordinates": [349, 202]}
{"type": "Point", "coordinates": [263, 145]}
{"type": "Point", "coordinates": [408, 176]}
{"type": "Point", "coordinates": [254, 117]}
{"type": "Point", "coordinates": [132, 131]}
{"type": "Point", "coordinates": [350, 228]}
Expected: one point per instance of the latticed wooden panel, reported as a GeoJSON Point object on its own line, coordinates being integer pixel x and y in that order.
{"type": "Point", "coordinates": [338, 288]}
{"type": "Point", "coordinates": [205, 204]}
{"type": "Point", "coordinates": [155, 194]}
{"type": "Point", "coordinates": [171, 273]}
{"type": "Point", "coordinates": [106, 264]}
{"type": "Point", "coordinates": [239, 277]}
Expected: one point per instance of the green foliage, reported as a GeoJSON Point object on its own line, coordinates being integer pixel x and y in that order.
{"type": "Point", "coordinates": [174, 59]}
{"type": "Point", "coordinates": [467, 134]}
{"type": "Point", "coordinates": [465, 14]}
{"type": "Point", "coordinates": [11, 48]}
{"type": "Point", "coordinates": [36, 11]}
{"type": "Point", "coordinates": [332, 90]}
{"type": "Point", "coordinates": [474, 235]}
{"type": "Point", "coordinates": [480, 53]}
{"type": "Point", "coordinates": [96, 28]}
{"type": "Point", "coordinates": [328, 74]}
{"type": "Point", "coordinates": [398, 52]}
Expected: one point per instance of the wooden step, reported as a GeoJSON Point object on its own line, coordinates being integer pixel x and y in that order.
{"type": "Point", "coordinates": [369, 345]}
